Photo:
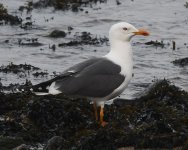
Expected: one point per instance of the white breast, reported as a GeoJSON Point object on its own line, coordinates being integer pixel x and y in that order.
{"type": "Point", "coordinates": [127, 70]}
{"type": "Point", "coordinates": [122, 57]}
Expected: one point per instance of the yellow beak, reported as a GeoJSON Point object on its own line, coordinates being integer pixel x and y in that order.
{"type": "Point", "coordinates": [141, 32]}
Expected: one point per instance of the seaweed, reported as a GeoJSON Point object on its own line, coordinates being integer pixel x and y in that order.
{"type": "Point", "coordinates": [74, 5]}
{"type": "Point", "coordinates": [181, 62]}
{"type": "Point", "coordinates": [6, 18]}
{"type": "Point", "coordinates": [29, 42]}
{"type": "Point", "coordinates": [42, 74]}
{"type": "Point", "coordinates": [28, 7]}
{"type": "Point", "coordinates": [156, 43]}
{"type": "Point", "coordinates": [3, 10]}
{"type": "Point", "coordinates": [85, 38]}
{"type": "Point", "coordinates": [13, 68]}
{"type": "Point", "coordinates": [7, 143]}
{"type": "Point", "coordinates": [186, 4]}
{"type": "Point", "coordinates": [57, 34]}
{"type": "Point", "coordinates": [158, 119]}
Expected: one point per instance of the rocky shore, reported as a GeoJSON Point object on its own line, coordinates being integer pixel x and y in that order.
{"type": "Point", "coordinates": [158, 119]}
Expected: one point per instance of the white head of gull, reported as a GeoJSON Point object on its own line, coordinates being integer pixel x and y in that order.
{"type": "Point", "coordinates": [98, 79]}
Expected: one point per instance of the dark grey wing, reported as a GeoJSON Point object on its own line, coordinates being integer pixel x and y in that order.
{"type": "Point", "coordinates": [98, 79]}
{"type": "Point", "coordinates": [80, 66]}
{"type": "Point", "coordinates": [43, 87]}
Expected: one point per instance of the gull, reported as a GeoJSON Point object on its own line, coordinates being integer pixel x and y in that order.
{"type": "Point", "coordinates": [98, 79]}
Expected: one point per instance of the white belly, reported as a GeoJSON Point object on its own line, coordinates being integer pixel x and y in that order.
{"type": "Point", "coordinates": [121, 88]}
{"type": "Point", "coordinates": [121, 55]}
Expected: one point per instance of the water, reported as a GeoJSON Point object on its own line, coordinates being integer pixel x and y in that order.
{"type": "Point", "coordinates": [165, 19]}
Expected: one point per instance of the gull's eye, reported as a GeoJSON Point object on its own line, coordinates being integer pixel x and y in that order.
{"type": "Point", "coordinates": [125, 29]}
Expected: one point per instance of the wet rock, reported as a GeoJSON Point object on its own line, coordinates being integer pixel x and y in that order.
{"type": "Point", "coordinates": [41, 74]}
{"type": "Point", "coordinates": [6, 41]}
{"type": "Point", "coordinates": [74, 5]}
{"type": "Point", "coordinates": [14, 87]}
{"type": "Point", "coordinates": [7, 143]}
{"type": "Point", "coordinates": [86, 38]}
{"type": "Point", "coordinates": [186, 4]}
{"type": "Point", "coordinates": [28, 7]}
{"type": "Point", "coordinates": [57, 34]}
{"type": "Point", "coordinates": [173, 45]}
{"type": "Point", "coordinates": [12, 102]}
{"type": "Point", "coordinates": [28, 18]}
{"type": "Point", "coordinates": [155, 43]}
{"type": "Point", "coordinates": [70, 28]}
{"type": "Point", "coordinates": [42, 3]}
{"type": "Point", "coordinates": [27, 25]}
{"type": "Point", "coordinates": [21, 8]}
{"type": "Point", "coordinates": [1, 86]}
{"type": "Point", "coordinates": [158, 119]}
{"type": "Point", "coordinates": [29, 42]}
{"type": "Point", "coordinates": [21, 71]}
{"type": "Point", "coordinates": [22, 147]}
{"type": "Point", "coordinates": [118, 2]}
{"type": "Point", "coordinates": [67, 123]}
{"type": "Point", "coordinates": [6, 18]}
{"type": "Point", "coordinates": [53, 47]}
{"type": "Point", "coordinates": [3, 10]}
{"type": "Point", "coordinates": [185, 146]}
{"type": "Point", "coordinates": [55, 143]}
{"type": "Point", "coordinates": [13, 68]}
{"type": "Point", "coordinates": [35, 44]}
{"type": "Point", "coordinates": [181, 62]}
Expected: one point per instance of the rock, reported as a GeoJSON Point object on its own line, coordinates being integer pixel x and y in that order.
{"type": "Point", "coordinates": [12, 102]}
{"type": "Point", "coordinates": [155, 43]}
{"type": "Point", "coordinates": [15, 87]}
{"type": "Point", "coordinates": [181, 62]}
{"type": "Point", "coordinates": [13, 68]}
{"type": "Point", "coordinates": [157, 119]}
{"type": "Point", "coordinates": [57, 34]}
{"type": "Point", "coordinates": [29, 42]}
{"type": "Point", "coordinates": [21, 71]}
{"type": "Point", "coordinates": [85, 38]}
{"type": "Point", "coordinates": [41, 74]}
{"type": "Point", "coordinates": [186, 4]}
{"type": "Point", "coordinates": [7, 18]}
{"type": "Point", "coordinates": [27, 25]}
{"type": "Point", "coordinates": [55, 143]}
{"type": "Point", "coordinates": [70, 28]}
{"type": "Point", "coordinates": [118, 2]}
{"type": "Point", "coordinates": [22, 147]}
{"type": "Point", "coordinates": [74, 5]}
{"type": "Point", "coordinates": [53, 47]}
{"type": "Point", "coordinates": [185, 146]}
{"type": "Point", "coordinates": [7, 143]}
{"type": "Point", "coordinates": [3, 10]}
{"type": "Point", "coordinates": [28, 7]}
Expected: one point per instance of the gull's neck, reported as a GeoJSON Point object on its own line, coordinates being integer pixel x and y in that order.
{"type": "Point", "coordinates": [120, 52]}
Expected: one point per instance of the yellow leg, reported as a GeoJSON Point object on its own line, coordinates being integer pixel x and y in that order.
{"type": "Point", "coordinates": [102, 122]}
{"type": "Point", "coordinates": [95, 111]}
